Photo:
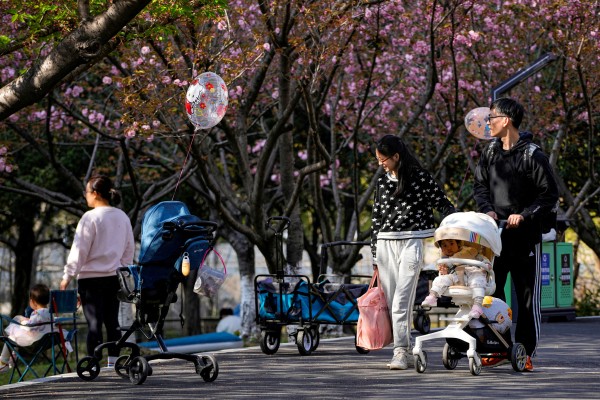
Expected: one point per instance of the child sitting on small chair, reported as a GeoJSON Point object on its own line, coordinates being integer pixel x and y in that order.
{"type": "Point", "coordinates": [22, 332]}
{"type": "Point", "coordinates": [467, 275]}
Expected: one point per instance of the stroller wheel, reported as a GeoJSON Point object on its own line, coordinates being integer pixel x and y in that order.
{"type": "Point", "coordinates": [88, 368]}
{"type": "Point", "coordinates": [270, 341]}
{"type": "Point", "coordinates": [420, 363]}
{"type": "Point", "coordinates": [122, 367]}
{"type": "Point", "coordinates": [304, 341]}
{"type": "Point", "coordinates": [518, 357]}
{"type": "Point", "coordinates": [450, 357]}
{"type": "Point", "coordinates": [208, 368]}
{"type": "Point", "coordinates": [475, 365]}
{"type": "Point", "coordinates": [423, 323]}
{"type": "Point", "coordinates": [138, 370]}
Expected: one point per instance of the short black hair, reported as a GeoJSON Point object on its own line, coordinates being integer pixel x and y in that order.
{"type": "Point", "coordinates": [225, 312]}
{"type": "Point", "coordinates": [511, 108]}
{"type": "Point", "coordinates": [40, 293]}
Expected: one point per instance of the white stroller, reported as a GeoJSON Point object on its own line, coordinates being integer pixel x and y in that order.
{"type": "Point", "coordinates": [490, 334]}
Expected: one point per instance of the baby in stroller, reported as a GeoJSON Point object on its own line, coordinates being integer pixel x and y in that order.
{"type": "Point", "coordinates": [464, 275]}
{"type": "Point", "coordinates": [487, 336]}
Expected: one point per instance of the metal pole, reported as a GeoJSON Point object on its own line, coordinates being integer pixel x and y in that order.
{"type": "Point", "coordinates": [523, 74]}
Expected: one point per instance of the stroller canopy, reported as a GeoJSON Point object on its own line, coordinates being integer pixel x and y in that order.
{"type": "Point", "coordinates": [471, 227]}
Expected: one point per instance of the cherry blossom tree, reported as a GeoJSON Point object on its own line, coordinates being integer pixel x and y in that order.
{"type": "Point", "coordinates": [312, 84]}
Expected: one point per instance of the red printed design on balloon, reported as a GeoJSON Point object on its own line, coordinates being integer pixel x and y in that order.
{"type": "Point", "coordinates": [206, 100]}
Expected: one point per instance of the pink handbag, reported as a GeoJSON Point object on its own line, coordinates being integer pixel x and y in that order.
{"type": "Point", "coordinates": [373, 329]}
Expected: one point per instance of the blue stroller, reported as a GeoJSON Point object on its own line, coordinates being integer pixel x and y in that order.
{"type": "Point", "coordinates": [169, 235]}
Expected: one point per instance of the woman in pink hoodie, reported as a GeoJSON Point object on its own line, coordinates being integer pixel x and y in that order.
{"type": "Point", "coordinates": [103, 242]}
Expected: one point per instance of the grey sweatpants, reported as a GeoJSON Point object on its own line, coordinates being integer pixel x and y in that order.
{"type": "Point", "coordinates": [399, 263]}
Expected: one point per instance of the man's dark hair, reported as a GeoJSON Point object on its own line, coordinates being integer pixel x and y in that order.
{"type": "Point", "coordinates": [511, 108]}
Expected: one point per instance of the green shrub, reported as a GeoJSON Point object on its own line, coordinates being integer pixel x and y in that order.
{"type": "Point", "coordinates": [589, 303]}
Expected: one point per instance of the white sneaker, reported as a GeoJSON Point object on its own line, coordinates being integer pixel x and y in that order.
{"type": "Point", "coordinates": [400, 359]}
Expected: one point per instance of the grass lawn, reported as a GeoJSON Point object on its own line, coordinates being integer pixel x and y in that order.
{"type": "Point", "coordinates": [39, 367]}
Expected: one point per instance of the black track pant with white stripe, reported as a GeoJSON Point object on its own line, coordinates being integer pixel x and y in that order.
{"type": "Point", "coordinates": [521, 255]}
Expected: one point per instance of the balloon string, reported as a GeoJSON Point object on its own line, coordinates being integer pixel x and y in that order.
{"type": "Point", "coordinates": [183, 166]}
{"type": "Point", "coordinates": [466, 175]}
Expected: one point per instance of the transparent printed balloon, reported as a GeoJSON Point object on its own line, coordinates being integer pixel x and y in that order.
{"type": "Point", "coordinates": [206, 100]}
{"type": "Point", "coordinates": [476, 123]}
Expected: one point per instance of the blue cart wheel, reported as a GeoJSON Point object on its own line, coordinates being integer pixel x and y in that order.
{"type": "Point", "coordinates": [304, 342]}
{"type": "Point", "coordinates": [270, 341]}
{"type": "Point", "coordinates": [316, 336]}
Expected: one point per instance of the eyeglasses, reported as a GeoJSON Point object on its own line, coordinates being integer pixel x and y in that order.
{"type": "Point", "coordinates": [380, 161]}
{"type": "Point", "coordinates": [491, 117]}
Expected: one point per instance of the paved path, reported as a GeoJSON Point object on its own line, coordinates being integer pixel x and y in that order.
{"type": "Point", "coordinates": [568, 367]}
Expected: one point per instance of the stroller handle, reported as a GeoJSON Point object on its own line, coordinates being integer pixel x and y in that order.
{"type": "Point", "coordinates": [192, 226]}
{"type": "Point", "coordinates": [195, 225]}
{"type": "Point", "coordinates": [463, 261]}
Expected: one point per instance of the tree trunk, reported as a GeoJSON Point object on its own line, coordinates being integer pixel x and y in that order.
{"type": "Point", "coordinates": [295, 234]}
{"type": "Point", "coordinates": [23, 266]}
{"type": "Point", "coordinates": [191, 306]}
{"type": "Point", "coordinates": [244, 251]}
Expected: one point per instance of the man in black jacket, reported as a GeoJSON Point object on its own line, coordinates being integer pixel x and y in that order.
{"type": "Point", "coordinates": [514, 182]}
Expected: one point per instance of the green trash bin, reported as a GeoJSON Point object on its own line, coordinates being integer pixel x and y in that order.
{"type": "Point", "coordinates": [548, 276]}
{"type": "Point", "coordinates": [556, 298]}
{"type": "Point", "coordinates": [564, 273]}
{"type": "Point", "coordinates": [508, 290]}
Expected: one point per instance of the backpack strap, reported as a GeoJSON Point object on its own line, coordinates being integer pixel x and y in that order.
{"type": "Point", "coordinates": [528, 155]}
{"type": "Point", "coordinates": [490, 151]}
{"type": "Point", "coordinates": [531, 148]}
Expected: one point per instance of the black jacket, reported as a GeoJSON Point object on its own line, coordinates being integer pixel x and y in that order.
{"type": "Point", "coordinates": [508, 182]}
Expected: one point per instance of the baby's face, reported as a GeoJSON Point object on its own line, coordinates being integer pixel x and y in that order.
{"type": "Point", "coordinates": [449, 247]}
